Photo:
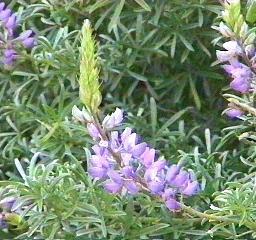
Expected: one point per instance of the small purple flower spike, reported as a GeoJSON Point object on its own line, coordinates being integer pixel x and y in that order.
{"type": "Point", "coordinates": [124, 164]}
{"type": "Point", "coordinates": [9, 23]}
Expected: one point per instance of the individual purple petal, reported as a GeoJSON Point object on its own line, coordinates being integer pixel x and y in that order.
{"type": "Point", "coordinates": [98, 150]}
{"type": "Point", "coordinates": [113, 120]}
{"type": "Point", "coordinates": [93, 131]}
{"type": "Point", "coordinates": [229, 68]}
{"type": "Point", "coordinates": [191, 189]}
{"type": "Point", "coordinates": [225, 56]}
{"type": "Point", "coordinates": [99, 161]}
{"type": "Point", "coordinates": [168, 192]}
{"type": "Point", "coordinates": [126, 157]}
{"type": "Point", "coordinates": [132, 187]}
{"type": "Point", "coordinates": [118, 115]}
{"type": "Point", "coordinates": [25, 35]}
{"type": "Point", "coordinates": [232, 46]}
{"type": "Point", "coordinates": [9, 53]}
{"type": "Point", "coordinates": [127, 132]}
{"type": "Point", "coordinates": [172, 173]}
{"type": "Point", "coordinates": [240, 85]}
{"type": "Point", "coordinates": [148, 156]}
{"type": "Point", "coordinates": [139, 149]}
{"type": "Point", "coordinates": [156, 187]}
{"type": "Point", "coordinates": [115, 177]}
{"type": "Point", "coordinates": [130, 142]}
{"type": "Point", "coordinates": [2, 5]}
{"type": "Point", "coordinates": [173, 205]}
{"type": "Point", "coordinates": [112, 187]}
{"type": "Point", "coordinates": [150, 174]}
{"type": "Point", "coordinates": [5, 14]}
{"type": "Point", "coordinates": [234, 113]}
{"type": "Point", "coordinates": [180, 179]}
{"type": "Point", "coordinates": [128, 172]}
{"type": "Point", "coordinates": [97, 172]}
{"type": "Point", "coordinates": [159, 164]}
{"type": "Point", "coordinates": [10, 56]}
{"type": "Point", "coordinates": [29, 42]}
{"type": "Point", "coordinates": [11, 23]}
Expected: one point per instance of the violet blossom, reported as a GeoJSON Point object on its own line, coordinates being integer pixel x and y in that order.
{"type": "Point", "coordinates": [241, 74]}
{"type": "Point", "coordinates": [126, 165]}
{"type": "Point", "coordinates": [10, 40]}
{"type": "Point", "coordinates": [234, 113]}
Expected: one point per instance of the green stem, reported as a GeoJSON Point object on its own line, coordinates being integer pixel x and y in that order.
{"type": "Point", "coordinates": [211, 217]}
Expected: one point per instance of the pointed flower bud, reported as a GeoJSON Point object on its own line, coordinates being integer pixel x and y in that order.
{"type": "Point", "coordinates": [81, 116]}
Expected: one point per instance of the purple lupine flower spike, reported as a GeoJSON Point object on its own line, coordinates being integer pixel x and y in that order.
{"type": "Point", "coordinates": [9, 23]}
{"type": "Point", "coordinates": [124, 164]}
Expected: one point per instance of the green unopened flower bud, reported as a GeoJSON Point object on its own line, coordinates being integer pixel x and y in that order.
{"type": "Point", "coordinates": [238, 23]}
{"type": "Point", "coordinates": [243, 30]}
{"type": "Point", "coordinates": [232, 12]}
{"type": "Point", "coordinates": [13, 219]}
{"type": "Point", "coordinates": [90, 93]}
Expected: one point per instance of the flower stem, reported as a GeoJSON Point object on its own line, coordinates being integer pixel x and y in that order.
{"type": "Point", "coordinates": [211, 217]}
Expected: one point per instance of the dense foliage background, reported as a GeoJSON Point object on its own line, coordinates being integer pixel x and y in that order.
{"type": "Point", "coordinates": [156, 60]}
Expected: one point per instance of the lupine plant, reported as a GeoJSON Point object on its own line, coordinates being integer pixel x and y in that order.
{"type": "Point", "coordinates": [10, 38]}
{"type": "Point", "coordinates": [111, 128]}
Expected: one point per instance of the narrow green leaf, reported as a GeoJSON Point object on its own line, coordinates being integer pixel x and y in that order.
{"type": "Point", "coordinates": [251, 12]}
{"type": "Point", "coordinates": [194, 93]}
{"type": "Point", "coordinates": [137, 76]}
{"type": "Point", "coordinates": [150, 230]}
{"type": "Point", "coordinates": [173, 119]}
{"type": "Point", "coordinates": [186, 43]}
{"type": "Point", "coordinates": [115, 17]}
{"type": "Point", "coordinates": [144, 5]}
{"type": "Point", "coordinates": [153, 113]}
